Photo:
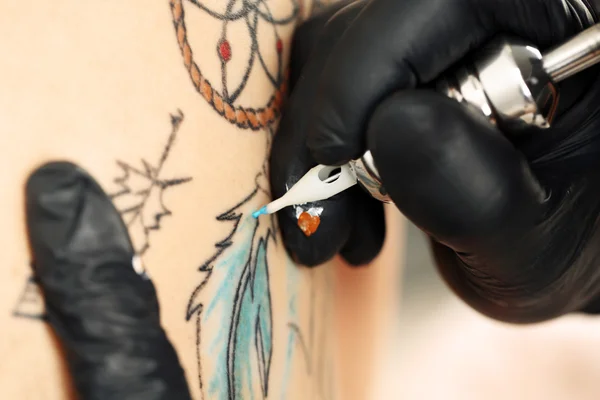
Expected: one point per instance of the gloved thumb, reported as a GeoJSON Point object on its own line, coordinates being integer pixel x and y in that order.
{"type": "Point", "coordinates": [461, 181]}
{"type": "Point", "coordinates": [105, 314]}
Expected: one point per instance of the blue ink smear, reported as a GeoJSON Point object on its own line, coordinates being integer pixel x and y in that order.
{"type": "Point", "coordinates": [260, 212]}
{"type": "Point", "coordinates": [216, 316]}
{"type": "Point", "coordinates": [238, 317]}
{"type": "Point", "coordinates": [252, 343]}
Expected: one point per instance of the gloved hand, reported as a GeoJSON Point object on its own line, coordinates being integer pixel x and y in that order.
{"type": "Point", "coordinates": [512, 222]}
{"type": "Point", "coordinates": [104, 313]}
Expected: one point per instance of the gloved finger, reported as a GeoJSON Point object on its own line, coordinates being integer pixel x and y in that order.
{"type": "Point", "coordinates": [367, 233]}
{"type": "Point", "coordinates": [453, 174]}
{"type": "Point", "coordinates": [308, 34]}
{"type": "Point", "coordinates": [290, 160]}
{"type": "Point", "coordinates": [396, 45]}
{"type": "Point", "coordinates": [105, 314]}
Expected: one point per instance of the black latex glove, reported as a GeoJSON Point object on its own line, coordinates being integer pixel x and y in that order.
{"type": "Point", "coordinates": [105, 314]}
{"type": "Point", "coordinates": [511, 222]}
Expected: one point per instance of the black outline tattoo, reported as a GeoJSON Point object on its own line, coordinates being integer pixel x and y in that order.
{"type": "Point", "coordinates": [312, 350]}
{"type": "Point", "coordinates": [244, 285]}
{"type": "Point", "coordinates": [31, 303]}
{"type": "Point", "coordinates": [153, 183]}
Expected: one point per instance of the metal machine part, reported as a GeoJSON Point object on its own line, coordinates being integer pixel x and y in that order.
{"type": "Point", "coordinates": [511, 83]}
{"type": "Point", "coordinates": [368, 177]}
{"type": "Point", "coordinates": [574, 56]}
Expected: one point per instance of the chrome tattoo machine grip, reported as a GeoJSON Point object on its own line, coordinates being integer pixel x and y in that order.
{"type": "Point", "coordinates": [511, 83]}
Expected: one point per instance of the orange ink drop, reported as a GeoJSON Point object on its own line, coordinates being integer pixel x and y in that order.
{"type": "Point", "coordinates": [308, 223]}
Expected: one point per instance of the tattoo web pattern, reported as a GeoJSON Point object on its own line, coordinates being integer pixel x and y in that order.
{"type": "Point", "coordinates": [225, 101]}
{"type": "Point", "coordinates": [142, 189]}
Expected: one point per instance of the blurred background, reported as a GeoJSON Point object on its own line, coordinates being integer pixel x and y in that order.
{"type": "Point", "coordinates": [440, 349]}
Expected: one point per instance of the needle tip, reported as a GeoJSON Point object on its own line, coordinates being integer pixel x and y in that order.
{"type": "Point", "coordinates": [260, 212]}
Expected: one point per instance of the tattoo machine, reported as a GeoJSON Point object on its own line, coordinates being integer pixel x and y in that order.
{"type": "Point", "coordinates": [509, 81]}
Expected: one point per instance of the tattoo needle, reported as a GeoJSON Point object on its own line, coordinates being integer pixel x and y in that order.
{"type": "Point", "coordinates": [320, 183]}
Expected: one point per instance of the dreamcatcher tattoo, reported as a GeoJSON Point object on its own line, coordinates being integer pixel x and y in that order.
{"type": "Point", "coordinates": [255, 15]}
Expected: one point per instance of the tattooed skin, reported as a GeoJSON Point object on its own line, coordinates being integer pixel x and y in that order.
{"type": "Point", "coordinates": [232, 304]}
{"type": "Point", "coordinates": [239, 310]}
{"type": "Point", "coordinates": [245, 347]}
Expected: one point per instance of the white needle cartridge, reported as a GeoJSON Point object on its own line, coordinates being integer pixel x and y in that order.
{"type": "Point", "coordinates": [320, 183]}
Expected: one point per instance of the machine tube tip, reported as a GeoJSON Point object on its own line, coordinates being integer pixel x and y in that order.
{"type": "Point", "coordinates": [260, 212]}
